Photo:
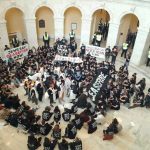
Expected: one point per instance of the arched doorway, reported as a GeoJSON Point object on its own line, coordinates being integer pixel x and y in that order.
{"type": "Point", "coordinates": [44, 23]}
{"type": "Point", "coordinates": [72, 20]}
{"type": "Point", "coordinates": [15, 24]}
{"type": "Point", "coordinates": [100, 25]}
{"type": "Point", "coordinates": [128, 30]}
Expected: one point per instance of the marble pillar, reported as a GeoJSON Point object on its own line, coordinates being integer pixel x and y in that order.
{"type": "Point", "coordinates": [85, 30]}
{"type": "Point", "coordinates": [59, 27]}
{"type": "Point", "coordinates": [112, 34]}
{"type": "Point", "coordinates": [140, 50]}
{"type": "Point", "coordinates": [31, 32]}
{"type": "Point", "coordinates": [4, 40]}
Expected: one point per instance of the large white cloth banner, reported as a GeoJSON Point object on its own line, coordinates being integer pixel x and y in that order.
{"type": "Point", "coordinates": [16, 53]}
{"type": "Point", "coordinates": [70, 59]}
{"type": "Point", "coordinates": [95, 51]}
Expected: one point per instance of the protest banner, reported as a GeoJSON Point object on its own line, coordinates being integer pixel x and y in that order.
{"type": "Point", "coordinates": [95, 51]}
{"type": "Point", "coordinates": [16, 53]}
{"type": "Point", "coordinates": [98, 84]}
{"type": "Point", "coordinates": [70, 59]}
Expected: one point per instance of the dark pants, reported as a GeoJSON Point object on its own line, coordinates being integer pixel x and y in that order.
{"type": "Point", "coordinates": [40, 97]}
{"type": "Point", "coordinates": [71, 39]}
{"type": "Point", "coordinates": [124, 52]}
{"type": "Point", "coordinates": [113, 59]}
{"type": "Point", "coordinates": [51, 99]}
{"type": "Point", "coordinates": [46, 43]}
{"type": "Point", "coordinates": [148, 60]}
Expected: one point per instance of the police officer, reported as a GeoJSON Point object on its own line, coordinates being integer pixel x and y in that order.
{"type": "Point", "coordinates": [124, 49]}
{"type": "Point", "coordinates": [46, 39]}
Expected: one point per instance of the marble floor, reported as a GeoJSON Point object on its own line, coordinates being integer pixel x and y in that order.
{"type": "Point", "coordinates": [134, 136]}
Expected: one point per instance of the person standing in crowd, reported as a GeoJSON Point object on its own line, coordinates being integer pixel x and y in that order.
{"type": "Point", "coordinates": [50, 92]}
{"type": "Point", "coordinates": [46, 39]}
{"type": "Point", "coordinates": [148, 59]}
{"type": "Point", "coordinates": [107, 53]}
{"type": "Point", "coordinates": [40, 91]}
{"type": "Point", "coordinates": [82, 50]}
{"type": "Point", "coordinates": [6, 48]}
{"type": "Point", "coordinates": [98, 39]}
{"type": "Point", "coordinates": [24, 42]}
{"type": "Point", "coordinates": [94, 39]}
{"type": "Point", "coordinates": [72, 36]}
{"type": "Point", "coordinates": [124, 49]}
{"type": "Point", "coordinates": [114, 54]}
{"type": "Point", "coordinates": [15, 41]}
{"type": "Point", "coordinates": [126, 63]}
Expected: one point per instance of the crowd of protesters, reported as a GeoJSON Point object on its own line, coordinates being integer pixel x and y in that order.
{"type": "Point", "coordinates": [61, 79]}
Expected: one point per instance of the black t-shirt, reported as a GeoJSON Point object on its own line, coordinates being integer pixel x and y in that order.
{"type": "Point", "coordinates": [76, 145]}
{"type": "Point", "coordinates": [82, 49]}
{"type": "Point", "coordinates": [50, 146]}
{"type": "Point", "coordinates": [57, 134]}
{"type": "Point", "coordinates": [92, 126]}
{"type": "Point", "coordinates": [45, 129]}
{"type": "Point", "coordinates": [72, 131]}
{"type": "Point", "coordinates": [66, 116]}
{"type": "Point", "coordinates": [78, 122]}
{"type": "Point", "coordinates": [57, 116]}
{"type": "Point", "coordinates": [46, 115]}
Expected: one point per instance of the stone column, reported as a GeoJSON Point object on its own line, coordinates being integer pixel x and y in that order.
{"type": "Point", "coordinates": [59, 27]}
{"type": "Point", "coordinates": [112, 34]}
{"type": "Point", "coordinates": [140, 50]}
{"type": "Point", "coordinates": [31, 32]}
{"type": "Point", "coordinates": [85, 30]}
{"type": "Point", "coordinates": [3, 36]}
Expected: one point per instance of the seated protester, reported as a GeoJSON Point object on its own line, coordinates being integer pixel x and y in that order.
{"type": "Point", "coordinates": [99, 117]}
{"type": "Point", "coordinates": [114, 103]}
{"type": "Point", "coordinates": [12, 119]}
{"type": "Point", "coordinates": [78, 121]}
{"type": "Point", "coordinates": [23, 123]}
{"type": "Point", "coordinates": [22, 108]}
{"type": "Point", "coordinates": [74, 108]}
{"type": "Point", "coordinates": [142, 84]}
{"type": "Point", "coordinates": [147, 99]}
{"type": "Point", "coordinates": [71, 131]}
{"type": "Point", "coordinates": [89, 110]}
{"type": "Point", "coordinates": [33, 143]}
{"type": "Point", "coordinates": [82, 101]}
{"type": "Point", "coordinates": [56, 133]}
{"type": "Point", "coordinates": [49, 144]}
{"type": "Point", "coordinates": [112, 129]}
{"type": "Point", "coordinates": [66, 115]}
{"type": "Point", "coordinates": [45, 128]}
{"type": "Point", "coordinates": [76, 144]}
{"type": "Point", "coordinates": [63, 145]}
{"type": "Point", "coordinates": [139, 100]}
{"type": "Point", "coordinates": [46, 114]}
{"type": "Point", "coordinates": [124, 96]}
{"type": "Point", "coordinates": [92, 125]}
{"type": "Point", "coordinates": [34, 128]}
{"type": "Point", "coordinates": [57, 114]}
